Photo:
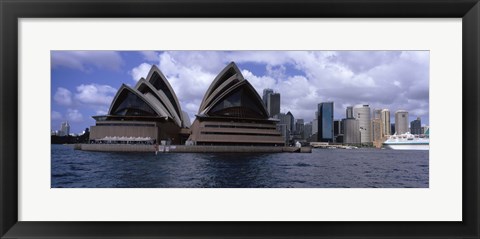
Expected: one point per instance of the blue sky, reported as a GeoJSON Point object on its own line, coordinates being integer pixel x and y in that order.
{"type": "Point", "coordinates": [85, 82]}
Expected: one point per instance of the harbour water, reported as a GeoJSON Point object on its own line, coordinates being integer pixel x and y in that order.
{"type": "Point", "coordinates": [323, 168]}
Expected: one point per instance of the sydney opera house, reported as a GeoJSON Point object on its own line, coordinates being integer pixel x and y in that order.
{"type": "Point", "coordinates": [149, 111]}
{"type": "Point", "coordinates": [231, 113]}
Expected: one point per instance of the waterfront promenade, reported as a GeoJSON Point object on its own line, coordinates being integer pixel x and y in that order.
{"type": "Point", "coordinates": [190, 148]}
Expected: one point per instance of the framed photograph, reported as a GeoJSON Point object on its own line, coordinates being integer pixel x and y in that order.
{"type": "Point", "coordinates": [239, 119]}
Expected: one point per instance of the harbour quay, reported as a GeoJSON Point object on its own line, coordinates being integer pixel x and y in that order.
{"type": "Point", "coordinates": [190, 148]}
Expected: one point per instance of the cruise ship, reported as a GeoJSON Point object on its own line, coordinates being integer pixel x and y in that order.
{"type": "Point", "coordinates": [408, 141]}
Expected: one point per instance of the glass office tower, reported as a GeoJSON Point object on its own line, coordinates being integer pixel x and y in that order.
{"type": "Point", "coordinates": [325, 122]}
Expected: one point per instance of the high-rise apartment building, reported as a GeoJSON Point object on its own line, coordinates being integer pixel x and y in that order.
{"type": "Point", "coordinates": [325, 122]}
{"type": "Point", "coordinates": [401, 122]}
{"type": "Point", "coordinates": [416, 126]}
{"type": "Point", "coordinates": [299, 127]}
{"type": "Point", "coordinates": [351, 132]}
{"type": "Point", "coordinates": [273, 104]}
{"type": "Point", "coordinates": [337, 131]}
{"type": "Point", "coordinates": [349, 112]}
{"type": "Point", "coordinates": [377, 127]}
{"type": "Point", "coordinates": [64, 129]}
{"type": "Point", "coordinates": [385, 117]}
{"type": "Point", "coordinates": [307, 130]}
{"type": "Point", "coordinates": [290, 120]}
{"type": "Point", "coordinates": [266, 92]}
{"type": "Point", "coordinates": [377, 130]}
{"type": "Point", "coordinates": [362, 114]}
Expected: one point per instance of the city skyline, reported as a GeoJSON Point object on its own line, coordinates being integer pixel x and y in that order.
{"type": "Point", "coordinates": [84, 82]}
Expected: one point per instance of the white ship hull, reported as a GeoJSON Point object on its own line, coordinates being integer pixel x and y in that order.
{"type": "Point", "coordinates": [407, 146]}
{"type": "Point", "coordinates": [407, 141]}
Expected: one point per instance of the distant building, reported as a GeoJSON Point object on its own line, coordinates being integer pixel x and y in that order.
{"type": "Point", "coordinates": [315, 124]}
{"type": "Point", "coordinates": [362, 114]}
{"type": "Point", "coordinates": [299, 128]}
{"type": "Point", "coordinates": [377, 113]}
{"type": "Point", "coordinates": [337, 127]}
{"type": "Point", "coordinates": [425, 129]}
{"type": "Point", "coordinates": [377, 130]}
{"type": "Point", "coordinates": [392, 128]}
{"type": "Point", "coordinates": [266, 93]}
{"type": "Point", "coordinates": [325, 122]}
{"type": "Point", "coordinates": [349, 112]}
{"type": "Point", "coordinates": [351, 131]}
{"type": "Point", "coordinates": [290, 120]}
{"type": "Point", "coordinates": [64, 129]}
{"type": "Point", "coordinates": [273, 104]}
{"type": "Point", "coordinates": [416, 126]}
{"type": "Point", "coordinates": [401, 122]}
{"type": "Point", "coordinates": [337, 131]}
{"type": "Point", "coordinates": [307, 130]}
{"type": "Point", "coordinates": [283, 129]}
{"type": "Point", "coordinates": [385, 117]}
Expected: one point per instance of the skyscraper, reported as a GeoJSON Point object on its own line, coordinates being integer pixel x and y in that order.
{"type": "Point", "coordinates": [307, 130]}
{"type": "Point", "coordinates": [315, 124]}
{"type": "Point", "coordinates": [401, 122]}
{"type": "Point", "coordinates": [362, 114]}
{"type": "Point", "coordinates": [385, 117]}
{"type": "Point", "coordinates": [337, 131]}
{"type": "Point", "coordinates": [416, 126]}
{"type": "Point", "coordinates": [349, 113]}
{"type": "Point", "coordinates": [290, 121]}
{"type": "Point", "coordinates": [299, 127]}
{"type": "Point", "coordinates": [377, 126]}
{"type": "Point", "coordinates": [351, 132]}
{"type": "Point", "coordinates": [325, 122]}
{"type": "Point", "coordinates": [64, 129]}
{"type": "Point", "coordinates": [266, 92]}
{"type": "Point", "coordinates": [273, 104]}
{"type": "Point", "coordinates": [285, 125]}
{"type": "Point", "coordinates": [377, 113]}
{"type": "Point", "coordinates": [377, 130]}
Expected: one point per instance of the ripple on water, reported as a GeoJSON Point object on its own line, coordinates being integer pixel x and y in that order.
{"type": "Point", "coordinates": [365, 168]}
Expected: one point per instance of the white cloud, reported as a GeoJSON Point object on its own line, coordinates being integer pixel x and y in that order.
{"type": "Point", "coordinates": [259, 82]}
{"type": "Point", "coordinates": [150, 55]}
{"type": "Point", "coordinates": [94, 94]}
{"type": "Point", "coordinates": [101, 112]}
{"type": "Point", "coordinates": [85, 60]}
{"type": "Point", "coordinates": [190, 82]}
{"type": "Point", "coordinates": [63, 97]}
{"type": "Point", "coordinates": [140, 71]}
{"type": "Point", "coordinates": [56, 115]}
{"type": "Point", "coordinates": [383, 79]}
{"type": "Point", "coordinates": [74, 115]}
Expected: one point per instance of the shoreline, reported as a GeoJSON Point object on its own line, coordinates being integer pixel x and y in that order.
{"type": "Point", "coordinates": [190, 148]}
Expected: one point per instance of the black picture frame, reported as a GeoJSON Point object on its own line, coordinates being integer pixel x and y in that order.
{"type": "Point", "coordinates": [12, 10]}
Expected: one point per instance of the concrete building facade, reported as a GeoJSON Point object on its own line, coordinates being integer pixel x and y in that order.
{"type": "Point", "coordinates": [362, 114]}
{"type": "Point", "coordinates": [385, 117]}
{"type": "Point", "coordinates": [266, 93]}
{"type": "Point", "coordinates": [401, 122]}
{"type": "Point", "coordinates": [150, 110]}
{"type": "Point", "coordinates": [307, 130]}
{"type": "Point", "coordinates": [64, 129]}
{"type": "Point", "coordinates": [232, 113]}
{"type": "Point", "coordinates": [273, 104]}
{"type": "Point", "coordinates": [351, 131]}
